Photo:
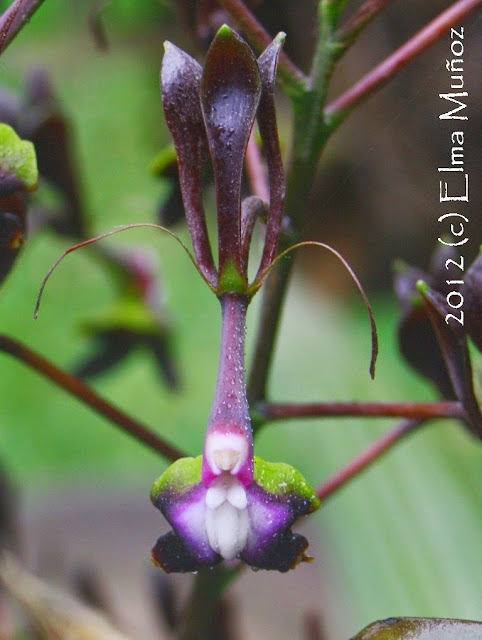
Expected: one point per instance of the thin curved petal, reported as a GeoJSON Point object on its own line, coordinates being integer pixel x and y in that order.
{"type": "Point", "coordinates": [230, 92]}
{"type": "Point", "coordinates": [268, 129]}
{"type": "Point", "coordinates": [180, 84]}
{"type": "Point", "coordinates": [453, 344]}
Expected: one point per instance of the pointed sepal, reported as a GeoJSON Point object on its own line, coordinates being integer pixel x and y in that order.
{"type": "Point", "coordinates": [230, 93]}
{"type": "Point", "coordinates": [180, 85]}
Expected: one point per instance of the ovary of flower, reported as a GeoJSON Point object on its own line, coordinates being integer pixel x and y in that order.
{"type": "Point", "coordinates": [226, 452]}
{"type": "Point", "coordinates": [227, 522]}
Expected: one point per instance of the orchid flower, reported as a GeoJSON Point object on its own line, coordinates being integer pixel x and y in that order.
{"type": "Point", "coordinates": [228, 504]}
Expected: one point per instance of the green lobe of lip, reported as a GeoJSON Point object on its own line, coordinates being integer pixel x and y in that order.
{"type": "Point", "coordinates": [180, 476]}
{"type": "Point", "coordinates": [281, 479]}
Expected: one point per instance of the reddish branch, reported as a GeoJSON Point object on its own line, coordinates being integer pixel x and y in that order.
{"type": "Point", "coordinates": [376, 78]}
{"type": "Point", "coordinates": [85, 394]}
{"type": "Point", "coordinates": [414, 410]}
{"type": "Point", "coordinates": [255, 170]}
{"type": "Point", "coordinates": [355, 24]}
{"type": "Point", "coordinates": [371, 454]}
{"type": "Point", "coordinates": [15, 18]}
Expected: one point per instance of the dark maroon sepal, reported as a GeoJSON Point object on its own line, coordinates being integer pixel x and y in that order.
{"type": "Point", "coordinates": [453, 343]}
{"type": "Point", "coordinates": [268, 129]}
{"type": "Point", "coordinates": [230, 93]}
{"type": "Point", "coordinates": [180, 85]}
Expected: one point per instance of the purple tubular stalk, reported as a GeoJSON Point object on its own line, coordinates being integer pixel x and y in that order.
{"type": "Point", "coordinates": [230, 93]}
{"type": "Point", "coordinates": [229, 439]}
{"type": "Point", "coordinates": [269, 134]}
{"type": "Point", "coordinates": [180, 84]}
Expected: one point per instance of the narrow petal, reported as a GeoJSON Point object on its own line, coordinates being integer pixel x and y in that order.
{"type": "Point", "coordinates": [230, 93]}
{"type": "Point", "coordinates": [416, 335]}
{"type": "Point", "coordinates": [269, 134]}
{"type": "Point", "coordinates": [252, 208]}
{"type": "Point", "coordinates": [453, 343]}
{"type": "Point", "coordinates": [180, 84]}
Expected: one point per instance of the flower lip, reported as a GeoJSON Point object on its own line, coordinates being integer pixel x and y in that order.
{"type": "Point", "coordinates": [227, 523]}
{"type": "Point", "coordinates": [231, 519]}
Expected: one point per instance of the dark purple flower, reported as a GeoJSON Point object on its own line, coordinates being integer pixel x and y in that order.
{"type": "Point", "coordinates": [228, 504]}
{"type": "Point", "coordinates": [432, 337]}
{"type": "Point", "coordinates": [18, 174]}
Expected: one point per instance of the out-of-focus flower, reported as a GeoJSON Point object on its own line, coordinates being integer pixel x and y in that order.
{"type": "Point", "coordinates": [121, 329]}
{"type": "Point", "coordinates": [40, 118]}
{"type": "Point", "coordinates": [433, 334]}
{"type": "Point", "coordinates": [18, 174]}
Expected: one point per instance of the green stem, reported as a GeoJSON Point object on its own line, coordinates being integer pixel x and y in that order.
{"type": "Point", "coordinates": [199, 615]}
{"type": "Point", "coordinates": [310, 135]}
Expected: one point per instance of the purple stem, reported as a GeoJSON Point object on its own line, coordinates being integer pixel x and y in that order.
{"type": "Point", "coordinates": [230, 412]}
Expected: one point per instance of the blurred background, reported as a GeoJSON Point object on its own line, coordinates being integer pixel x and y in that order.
{"type": "Point", "coordinates": [405, 538]}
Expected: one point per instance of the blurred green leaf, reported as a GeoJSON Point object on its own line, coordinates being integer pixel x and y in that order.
{"type": "Point", "coordinates": [17, 158]}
